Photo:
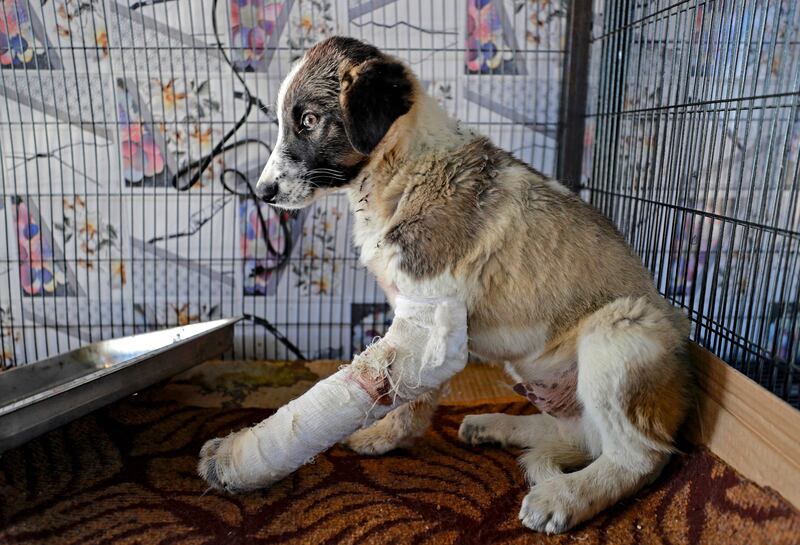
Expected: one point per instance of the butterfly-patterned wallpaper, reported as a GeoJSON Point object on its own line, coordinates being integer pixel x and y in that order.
{"type": "Point", "coordinates": [130, 130]}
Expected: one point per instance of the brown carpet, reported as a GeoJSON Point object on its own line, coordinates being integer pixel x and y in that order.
{"type": "Point", "coordinates": [126, 475]}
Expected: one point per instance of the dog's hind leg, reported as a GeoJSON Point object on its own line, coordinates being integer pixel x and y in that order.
{"type": "Point", "coordinates": [632, 387]}
{"type": "Point", "coordinates": [507, 430]}
{"type": "Point", "coordinates": [552, 445]}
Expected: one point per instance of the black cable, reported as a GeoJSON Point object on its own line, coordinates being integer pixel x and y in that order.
{"type": "Point", "coordinates": [223, 146]}
{"type": "Point", "coordinates": [255, 100]}
{"type": "Point", "coordinates": [278, 335]}
{"type": "Point", "coordinates": [144, 3]}
{"type": "Point", "coordinates": [283, 255]}
{"type": "Point", "coordinates": [203, 163]}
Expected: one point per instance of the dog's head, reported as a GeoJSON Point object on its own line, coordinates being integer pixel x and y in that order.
{"type": "Point", "coordinates": [334, 108]}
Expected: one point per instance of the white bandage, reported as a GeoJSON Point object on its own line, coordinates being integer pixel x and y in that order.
{"type": "Point", "coordinates": [425, 346]}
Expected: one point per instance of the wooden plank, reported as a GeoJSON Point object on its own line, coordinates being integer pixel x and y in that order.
{"type": "Point", "coordinates": [754, 431]}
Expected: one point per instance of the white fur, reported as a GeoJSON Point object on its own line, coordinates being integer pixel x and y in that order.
{"type": "Point", "coordinates": [558, 186]}
{"type": "Point", "coordinates": [277, 166]}
{"type": "Point", "coordinates": [508, 343]}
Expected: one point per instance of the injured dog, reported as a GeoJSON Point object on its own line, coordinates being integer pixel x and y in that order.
{"type": "Point", "coordinates": [426, 345]}
{"type": "Point", "coordinates": [549, 285]}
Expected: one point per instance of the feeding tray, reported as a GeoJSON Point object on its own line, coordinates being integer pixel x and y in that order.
{"type": "Point", "coordinates": [38, 397]}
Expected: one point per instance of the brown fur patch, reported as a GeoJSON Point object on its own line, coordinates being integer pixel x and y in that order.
{"type": "Point", "coordinates": [524, 248]}
{"type": "Point", "coordinates": [444, 199]}
{"type": "Point", "coordinates": [658, 403]}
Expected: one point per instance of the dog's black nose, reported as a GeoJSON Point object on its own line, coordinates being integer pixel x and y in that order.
{"type": "Point", "coordinates": [268, 192]}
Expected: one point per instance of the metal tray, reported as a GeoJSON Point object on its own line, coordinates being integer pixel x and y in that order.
{"type": "Point", "coordinates": [41, 396]}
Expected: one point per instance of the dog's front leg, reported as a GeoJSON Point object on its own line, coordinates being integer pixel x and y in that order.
{"type": "Point", "coordinates": [424, 347]}
{"type": "Point", "coordinates": [397, 429]}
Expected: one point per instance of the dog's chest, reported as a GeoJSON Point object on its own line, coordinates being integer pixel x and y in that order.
{"type": "Point", "coordinates": [369, 228]}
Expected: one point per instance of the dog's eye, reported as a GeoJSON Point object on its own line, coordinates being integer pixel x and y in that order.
{"type": "Point", "coordinates": [309, 120]}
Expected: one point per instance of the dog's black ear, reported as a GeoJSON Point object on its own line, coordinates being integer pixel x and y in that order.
{"type": "Point", "coordinates": [373, 95]}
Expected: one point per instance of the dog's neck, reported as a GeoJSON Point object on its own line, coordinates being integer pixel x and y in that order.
{"type": "Point", "coordinates": [376, 194]}
{"type": "Point", "coordinates": [426, 127]}
{"type": "Point", "coordinates": [425, 130]}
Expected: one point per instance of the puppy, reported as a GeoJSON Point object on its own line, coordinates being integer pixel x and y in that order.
{"type": "Point", "coordinates": [551, 287]}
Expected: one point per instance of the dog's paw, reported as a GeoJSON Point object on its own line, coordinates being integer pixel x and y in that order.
{"type": "Point", "coordinates": [375, 440]}
{"type": "Point", "coordinates": [215, 465]}
{"type": "Point", "coordinates": [476, 429]}
{"type": "Point", "coordinates": [550, 507]}
{"type": "Point", "coordinates": [208, 465]}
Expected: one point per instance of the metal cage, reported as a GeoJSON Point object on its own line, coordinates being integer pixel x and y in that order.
{"type": "Point", "coordinates": [693, 131]}
{"type": "Point", "coordinates": [132, 131]}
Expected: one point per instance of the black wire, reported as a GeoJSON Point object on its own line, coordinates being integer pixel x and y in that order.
{"type": "Point", "coordinates": [283, 255]}
{"type": "Point", "coordinates": [278, 335]}
{"type": "Point", "coordinates": [223, 146]}
{"type": "Point", "coordinates": [203, 163]}
{"type": "Point", "coordinates": [144, 3]}
{"type": "Point", "coordinates": [257, 101]}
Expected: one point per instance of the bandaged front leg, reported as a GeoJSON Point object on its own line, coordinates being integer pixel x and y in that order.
{"type": "Point", "coordinates": [424, 347]}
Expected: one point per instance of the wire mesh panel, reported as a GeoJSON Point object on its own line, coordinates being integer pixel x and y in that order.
{"type": "Point", "coordinates": [133, 131]}
{"type": "Point", "coordinates": [694, 134]}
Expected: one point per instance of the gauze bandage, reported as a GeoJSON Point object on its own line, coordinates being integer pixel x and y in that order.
{"type": "Point", "coordinates": [425, 346]}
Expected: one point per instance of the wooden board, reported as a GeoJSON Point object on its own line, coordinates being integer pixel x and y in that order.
{"type": "Point", "coordinates": [754, 431]}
